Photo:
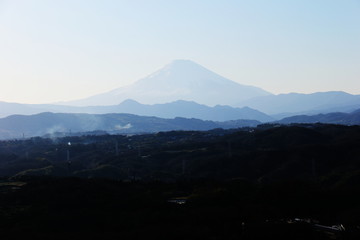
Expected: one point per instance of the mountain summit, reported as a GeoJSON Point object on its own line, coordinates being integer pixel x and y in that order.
{"type": "Point", "coordinates": [179, 80]}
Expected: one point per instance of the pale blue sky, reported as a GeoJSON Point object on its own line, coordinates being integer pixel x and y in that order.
{"type": "Point", "coordinates": [69, 49]}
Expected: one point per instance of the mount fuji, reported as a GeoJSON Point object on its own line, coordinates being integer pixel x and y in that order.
{"type": "Point", "coordinates": [179, 80]}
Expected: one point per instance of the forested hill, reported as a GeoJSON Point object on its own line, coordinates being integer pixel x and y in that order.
{"type": "Point", "coordinates": [265, 153]}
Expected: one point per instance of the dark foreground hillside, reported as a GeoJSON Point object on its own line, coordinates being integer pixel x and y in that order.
{"type": "Point", "coordinates": [269, 182]}
{"type": "Point", "coordinates": [70, 208]}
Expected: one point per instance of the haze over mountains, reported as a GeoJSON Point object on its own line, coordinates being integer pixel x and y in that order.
{"type": "Point", "coordinates": [296, 103]}
{"type": "Point", "coordinates": [53, 124]}
{"type": "Point", "coordinates": [352, 118]}
{"type": "Point", "coordinates": [179, 108]}
{"type": "Point", "coordinates": [63, 124]}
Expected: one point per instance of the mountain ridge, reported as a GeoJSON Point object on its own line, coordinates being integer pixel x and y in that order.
{"type": "Point", "coordinates": [352, 118]}
{"type": "Point", "coordinates": [180, 108]}
{"type": "Point", "coordinates": [300, 103]}
{"type": "Point", "coordinates": [18, 126]}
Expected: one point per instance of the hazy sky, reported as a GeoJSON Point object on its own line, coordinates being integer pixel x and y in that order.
{"type": "Point", "coordinates": [69, 49]}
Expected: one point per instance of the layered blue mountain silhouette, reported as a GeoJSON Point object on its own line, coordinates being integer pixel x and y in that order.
{"type": "Point", "coordinates": [182, 89]}
{"type": "Point", "coordinates": [51, 124]}
{"type": "Point", "coordinates": [352, 118]}
{"type": "Point", "coordinates": [179, 108]}
{"type": "Point", "coordinates": [283, 105]}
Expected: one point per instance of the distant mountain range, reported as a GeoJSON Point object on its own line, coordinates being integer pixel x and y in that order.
{"type": "Point", "coordinates": [291, 104]}
{"type": "Point", "coordinates": [179, 80]}
{"type": "Point", "coordinates": [17, 126]}
{"type": "Point", "coordinates": [186, 89]}
{"type": "Point", "coordinates": [333, 118]}
{"type": "Point", "coordinates": [277, 107]}
{"type": "Point", "coordinates": [179, 108]}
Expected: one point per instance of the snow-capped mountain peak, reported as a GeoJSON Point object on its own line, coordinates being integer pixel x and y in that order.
{"type": "Point", "coordinates": [178, 80]}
